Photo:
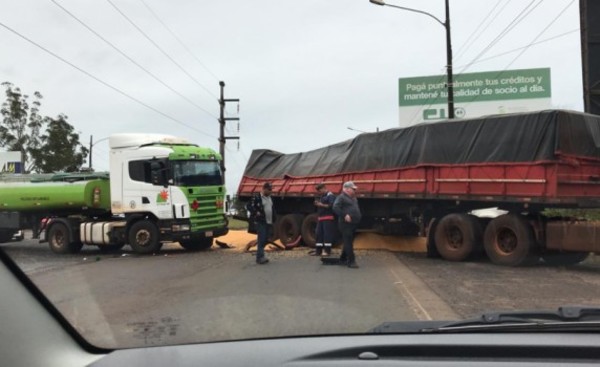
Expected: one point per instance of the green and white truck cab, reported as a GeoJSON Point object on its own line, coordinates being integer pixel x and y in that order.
{"type": "Point", "coordinates": [159, 189]}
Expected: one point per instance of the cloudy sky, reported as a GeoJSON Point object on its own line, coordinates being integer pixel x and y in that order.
{"type": "Point", "coordinates": [304, 70]}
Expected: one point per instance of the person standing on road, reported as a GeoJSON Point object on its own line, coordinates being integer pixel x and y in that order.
{"type": "Point", "coordinates": [348, 212]}
{"type": "Point", "coordinates": [262, 213]}
{"type": "Point", "coordinates": [326, 221]}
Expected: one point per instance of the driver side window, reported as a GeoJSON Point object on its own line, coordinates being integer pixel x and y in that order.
{"type": "Point", "coordinates": [140, 171]}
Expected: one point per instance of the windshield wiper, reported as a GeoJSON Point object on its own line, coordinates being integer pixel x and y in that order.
{"type": "Point", "coordinates": [564, 319]}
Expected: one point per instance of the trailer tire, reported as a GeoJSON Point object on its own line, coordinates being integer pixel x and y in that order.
{"type": "Point", "coordinates": [509, 240]}
{"type": "Point", "coordinates": [60, 241]}
{"type": "Point", "coordinates": [457, 236]}
{"type": "Point", "coordinates": [289, 229]}
{"type": "Point", "coordinates": [143, 237]}
{"type": "Point", "coordinates": [309, 229]}
{"type": "Point", "coordinates": [559, 258]}
{"type": "Point", "coordinates": [197, 244]}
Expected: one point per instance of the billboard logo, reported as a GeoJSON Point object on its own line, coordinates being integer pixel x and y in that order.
{"type": "Point", "coordinates": [440, 113]}
{"type": "Point", "coordinates": [11, 167]}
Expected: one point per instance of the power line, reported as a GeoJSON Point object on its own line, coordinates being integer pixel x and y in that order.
{"type": "Point", "coordinates": [540, 34]}
{"type": "Point", "coordinates": [179, 40]}
{"type": "Point", "coordinates": [103, 82]}
{"type": "Point", "coordinates": [466, 45]}
{"type": "Point", "coordinates": [526, 46]}
{"type": "Point", "coordinates": [493, 57]}
{"type": "Point", "coordinates": [523, 49]}
{"type": "Point", "coordinates": [131, 59]}
{"type": "Point", "coordinates": [518, 19]}
{"type": "Point", "coordinates": [160, 48]}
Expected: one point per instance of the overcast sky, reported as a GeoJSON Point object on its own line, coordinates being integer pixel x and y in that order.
{"type": "Point", "coordinates": [304, 70]}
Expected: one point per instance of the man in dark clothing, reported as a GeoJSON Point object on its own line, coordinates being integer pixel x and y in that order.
{"type": "Point", "coordinates": [326, 221]}
{"type": "Point", "coordinates": [348, 212]}
{"type": "Point", "coordinates": [262, 213]}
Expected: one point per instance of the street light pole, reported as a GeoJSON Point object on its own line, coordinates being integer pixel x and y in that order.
{"type": "Point", "coordinates": [449, 70]}
{"type": "Point", "coordinates": [92, 143]}
{"type": "Point", "coordinates": [446, 24]}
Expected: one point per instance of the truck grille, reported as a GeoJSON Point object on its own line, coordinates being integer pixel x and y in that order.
{"type": "Point", "coordinates": [206, 215]}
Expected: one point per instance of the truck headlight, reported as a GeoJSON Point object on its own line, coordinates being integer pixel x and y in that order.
{"type": "Point", "coordinates": [180, 227]}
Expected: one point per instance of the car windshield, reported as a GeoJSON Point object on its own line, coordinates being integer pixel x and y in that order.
{"type": "Point", "coordinates": [196, 173]}
{"type": "Point", "coordinates": [204, 171]}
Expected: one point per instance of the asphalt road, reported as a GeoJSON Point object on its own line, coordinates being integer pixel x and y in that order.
{"type": "Point", "coordinates": [178, 297]}
{"type": "Point", "coordinates": [473, 287]}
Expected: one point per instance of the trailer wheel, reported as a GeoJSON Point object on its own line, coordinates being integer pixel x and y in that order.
{"type": "Point", "coordinates": [309, 230]}
{"type": "Point", "coordinates": [197, 244]}
{"type": "Point", "coordinates": [289, 228]}
{"type": "Point", "coordinates": [557, 258]}
{"type": "Point", "coordinates": [59, 239]}
{"type": "Point", "coordinates": [457, 236]}
{"type": "Point", "coordinates": [509, 240]}
{"type": "Point", "coordinates": [143, 237]}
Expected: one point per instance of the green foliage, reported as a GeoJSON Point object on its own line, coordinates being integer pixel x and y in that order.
{"type": "Point", "coordinates": [60, 149]}
{"type": "Point", "coordinates": [586, 214]}
{"type": "Point", "coordinates": [21, 123]}
{"type": "Point", "coordinates": [21, 128]}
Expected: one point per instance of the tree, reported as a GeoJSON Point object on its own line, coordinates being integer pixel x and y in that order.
{"type": "Point", "coordinates": [21, 127]}
{"type": "Point", "coordinates": [60, 149]}
{"type": "Point", "coordinates": [21, 123]}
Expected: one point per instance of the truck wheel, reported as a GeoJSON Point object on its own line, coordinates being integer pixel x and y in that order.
{"type": "Point", "coordinates": [457, 236]}
{"type": "Point", "coordinates": [59, 239]}
{"type": "Point", "coordinates": [556, 258]}
{"type": "Point", "coordinates": [509, 240]}
{"type": "Point", "coordinates": [197, 244]}
{"type": "Point", "coordinates": [289, 228]}
{"type": "Point", "coordinates": [143, 237]}
{"type": "Point", "coordinates": [308, 230]}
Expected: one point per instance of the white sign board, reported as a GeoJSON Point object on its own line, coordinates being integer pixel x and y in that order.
{"type": "Point", "coordinates": [10, 162]}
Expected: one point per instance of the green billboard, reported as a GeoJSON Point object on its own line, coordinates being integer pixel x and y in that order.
{"type": "Point", "coordinates": [476, 87]}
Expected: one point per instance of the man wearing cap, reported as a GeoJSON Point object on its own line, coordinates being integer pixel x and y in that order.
{"type": "Point", "coordinates": [326, 221]}
{"type": "Point", "coordinates": [348, 212]}
{"type": "Point", "coordinates": [262, 212]}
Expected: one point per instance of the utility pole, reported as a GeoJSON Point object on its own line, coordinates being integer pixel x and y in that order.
{"type": "Point", "coordinates": [222, 121]}
{"type": "Point", "coordinates": [91, 146]}
{"type": "Point", "coordinates": [450, 75]}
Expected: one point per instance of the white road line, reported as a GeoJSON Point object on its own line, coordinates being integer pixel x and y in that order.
{"type": "Point", "coordinates": [415, 304]}
{"type": "Point", "coordinates": [426, 304]}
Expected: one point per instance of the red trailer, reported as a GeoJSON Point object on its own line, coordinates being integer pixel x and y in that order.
{"type": "Point", "coordinates": [427, 179]}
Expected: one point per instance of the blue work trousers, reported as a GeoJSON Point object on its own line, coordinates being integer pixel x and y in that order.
{"type": "Point", "coordinates": [264, 231]}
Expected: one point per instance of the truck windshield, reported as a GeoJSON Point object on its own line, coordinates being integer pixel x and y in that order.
{"type": "Point", "coordinates": [196, 173]}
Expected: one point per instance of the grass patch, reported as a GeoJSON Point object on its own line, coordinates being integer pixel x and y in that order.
{"type": "Point", "coordinates": [587, 214]}
{"type": "Point", "coordinates": [237, 224]}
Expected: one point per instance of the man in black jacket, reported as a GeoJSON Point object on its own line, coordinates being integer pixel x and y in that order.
{"type": "Point", "coordinates": [348, 213]}
{"type": "Point", "coordinates": [262, 213]}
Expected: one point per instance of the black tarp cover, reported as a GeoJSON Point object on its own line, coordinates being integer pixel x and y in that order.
{"type": "Point", "coordinates": [526, 137]}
